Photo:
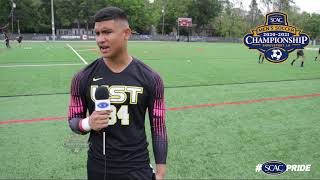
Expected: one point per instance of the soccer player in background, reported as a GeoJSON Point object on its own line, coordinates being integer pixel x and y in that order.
{"type": "Point", "coordinates": [19, 39]}
{"type": "Point", "coordinates": [317, 55]}
{"type": "Point", "coordinates": [134, 87]}
{"type": "Point", "coordinates": [261, 56]}
{"type": "Point", "coordinates": [7, 40]}
{"type": "Point", "coordinates": [300, 53]}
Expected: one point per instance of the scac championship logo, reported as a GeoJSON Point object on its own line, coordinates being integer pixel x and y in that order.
{"type": "Point", "coordinates": [276, 39]}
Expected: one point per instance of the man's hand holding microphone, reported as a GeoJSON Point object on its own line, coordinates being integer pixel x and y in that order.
{"type": "Point", "coordinates": [99, 119]}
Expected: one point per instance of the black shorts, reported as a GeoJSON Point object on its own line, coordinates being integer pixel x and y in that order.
{"type": "Point", "coordinates": [96, 173]}
{"type": "Point", "coordinates": [300, 53]}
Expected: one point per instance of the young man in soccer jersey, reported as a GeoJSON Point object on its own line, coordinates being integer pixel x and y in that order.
{"type": "Point", "coordinates": [300, 53]}
{"type": "Point", "coordinates": [261, 57]}
{"type": "Point", "coordinates": [134, 88]}
{"type": "Point", "coordinates": [317, 55]}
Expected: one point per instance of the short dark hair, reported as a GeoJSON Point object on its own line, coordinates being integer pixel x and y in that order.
{"type": "Point", "coordinates": [110, 13]}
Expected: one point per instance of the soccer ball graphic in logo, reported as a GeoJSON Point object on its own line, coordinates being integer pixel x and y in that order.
{"type": "Point", "coordinates": [276, 54]}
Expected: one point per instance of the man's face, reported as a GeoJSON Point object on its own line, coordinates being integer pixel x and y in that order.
{"type": "Point", "coordinates": [111, 37]}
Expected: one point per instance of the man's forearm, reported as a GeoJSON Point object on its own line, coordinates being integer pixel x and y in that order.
{"type": "Point", "coordinates": [74, 125]}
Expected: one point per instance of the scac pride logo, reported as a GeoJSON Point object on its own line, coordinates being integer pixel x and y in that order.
{"type": "Point", "coordinates": [276, 38]}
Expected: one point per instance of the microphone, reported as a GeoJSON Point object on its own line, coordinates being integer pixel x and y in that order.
{"type": "Point", "coordinates": [102, 103]}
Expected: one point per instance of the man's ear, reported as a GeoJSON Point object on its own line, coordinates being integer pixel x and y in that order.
{"type": "Point", "coordinates": [127, 33]}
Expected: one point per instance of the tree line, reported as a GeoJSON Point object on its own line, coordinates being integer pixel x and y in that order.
{"type": "Point", "coordinates": [225, 18]}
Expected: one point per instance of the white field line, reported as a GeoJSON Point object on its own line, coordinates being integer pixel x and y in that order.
{"type": "Point", "coordinates": [38, 65]}
{"type": "Point", "coordinates": [84, 61]}
{"type": "Point", "coordinates": [312, 49]}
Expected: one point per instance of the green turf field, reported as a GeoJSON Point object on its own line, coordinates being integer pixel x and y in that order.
{"type": "Point", "coordinates": [257, 112]}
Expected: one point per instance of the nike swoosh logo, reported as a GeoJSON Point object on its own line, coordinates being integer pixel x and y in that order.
{"type": "Point", "coordinates": [97, 79]}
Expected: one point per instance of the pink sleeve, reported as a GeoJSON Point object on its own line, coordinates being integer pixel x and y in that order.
{"type": "Point", "coordinates": [77, 107]}
{"type": "Point", "coordinates": [157, 118]}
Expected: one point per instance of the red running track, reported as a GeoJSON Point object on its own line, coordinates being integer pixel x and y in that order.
{"type": "Point", "coordinates": [178, 108]}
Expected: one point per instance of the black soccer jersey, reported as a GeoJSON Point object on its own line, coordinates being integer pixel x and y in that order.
{"type": "Point", "coordinates": [132, 91]}
{"type": "Point", "coordinates": [6, 38]}
{"type": "Point", "coordinates": [19, 39]}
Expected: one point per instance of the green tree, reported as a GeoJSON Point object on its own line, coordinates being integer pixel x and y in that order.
{"type": "Point", "coordinates": [44, 16]}
{"type": "Point", "coordinates": [254, 14]}
{"type": "Point", "coordinates": [203, 12]}
{"type": "Point", "coordinates": [278, 5]}
{"type": "Point", "coordinates": [24, 12]}
{"type": "Point", "coordinates": [26, 15]}
{"type": "Point", "coordinates": [231, 22]}
{"type": "Point", "coordinates": [172, 10]}
{"type": "Point", "coordinates": [69, 12]}
{"type": "Point", "coordinates": [311, 24]}
{"type": "Point", "coordinates": [5, 9]}
{"type": "Point", "coordinates": [284, 5]}
{"type": "Point", "coordinates": [138, 12]}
